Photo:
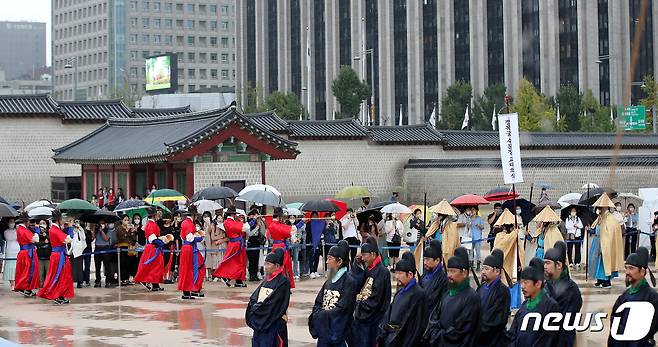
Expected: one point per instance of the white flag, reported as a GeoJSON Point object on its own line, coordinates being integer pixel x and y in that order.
{"type": "Point", "coordinates": [493, 118]}
{"type": "Point", "coordinates": [510, 150]}
{"type": "Point", "coordinates": [433, 118]}
{"type": "Point", "coordinates": [465, 122]}
{"type": "Point", "coordinates": [400, 122]}
{"type": "Point", "coordinates": [558, 114]}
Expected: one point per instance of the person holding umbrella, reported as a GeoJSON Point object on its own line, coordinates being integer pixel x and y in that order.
{"type": "Point", "coordinates": [59, 281]}
{"type": "Point", "coordinates": [574, 227]}
{"type": "Point", "coordinates": [150, 272]}
{"type": "Point", "coordinates": [27, 261]}
{"type": "Point", "coordinates": [192, 270]}
{"type": "Point", "coordinates": [605, 255]}
{"type": "Point", "coordinates": [234, 264]}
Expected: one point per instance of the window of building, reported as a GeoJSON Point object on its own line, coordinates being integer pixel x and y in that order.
{"type": "Point", "coordinates": [224, 42]}
{"type": "Point", "coordinates": [145, 5]}
{"type": "Point", "coordinates": [168, 23]}
{"type": "Point", "coordinates": [190, 56]}
{"type": "Point", "coordinates": [133, 22]}
{"type": "Point", "coordinates": [224, 26]}
{"type": "Point", "coordinates": [156, 23]}
{"type": "Point", "coordinates": [213, 25]}
{"type": "Point", "coordinates": [157, 39]}
{"type": "Point", "coordinates": [156, 6]}
{"type": "Point", "coordinates": [168, 7]}
{"type": "Point", "coordinates": [179, 24]}
{"type": "Point", "coordinates": [133, 5]}
{"type": "Point", "coordinates": [180, 40]}
{"type": "Point", "coordinates": [224, 57]}
{"type": "Point", "coordinates": [213, 57]}
{"type": "Point", "coordinates": [146, 39]}
{"type": "Point", "coordinates": [191, 73]}
{"type": "Point", "coordinates": [213, 74]}
{"type": "Point", "coordinates": [133, 38]}
{"type": "Point", "coordinates": [212, 8]}
{"type": "Point", "coordinates": [179, 7]}
{"type": "Point", "coordinates": [145, 22]}
{"type": "Point", "coordinates": [168, 39]}
{"type": "Point", "coordinates": [190, 8]}
{"type": "Point", "coordinates": [203, 74]}
{"type": "Point", "coordinates": [145, 54]}
{"type": "Point", "coordinates": [202, 41]}
{"type": "Point", "coordinates": [133, 56]}
{"type": "Point", "coordinates": [224, 9]}
{"type": "Point", "coordinates": [190, 89]}
{"type": "Point", "coordinates": [224, 74]}
{"type": "Point", "coordinates": [133, 72]}
{"type": "Point", "coordinates": [202, 8]}
{"type": "Point", "coordinates": [189, 24]}
{"type": "Point", "coordinates": [202, 25]}
{"type": "Point", "coordinates": [203, 57]}
{"type": "Point", "coordinates": [190, 40]}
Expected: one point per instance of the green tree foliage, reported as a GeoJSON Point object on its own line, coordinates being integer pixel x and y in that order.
{"type": "Point", "coordinates": [650, 100]}
{"type": "Point", "coordinates": [349, 91]}
{"type": "Point", "coordinates": [254, 97]}
{"type": "Point", "coordinates": [535, 113]}
{"type": "Point", "coordinates": [453, 105]}
{"type": "Point", "coordinates": [596, 118]}
{"type": "Point", "coordinates": [484, 106]}
{"type": "Point", "coordinates": [287, 106]}
{"type": "Point", "coordinates": [569, 100]}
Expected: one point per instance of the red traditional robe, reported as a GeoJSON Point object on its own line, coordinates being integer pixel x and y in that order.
{"type": "Point", "coordinates": [234, 265]}
{"type": "Point", "coordinates": [27, 261]}
{"type": "Point", "coordinates": [59, 281]}
{"type": "Point", "coordinates": [280, 234]}
{"type": "Point", "coordinates": [151, 264]}
{"type": "Point", "coordinates": [188, 279]}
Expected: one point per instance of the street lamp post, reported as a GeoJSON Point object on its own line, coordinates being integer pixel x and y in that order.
{"type": "Point", "coordinates": [73, 63]}
{"type": "Point", "coordinates": [372, 76]}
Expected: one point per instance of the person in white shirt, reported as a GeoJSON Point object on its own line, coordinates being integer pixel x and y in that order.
{"type": "Point", "coordinates": [393, 229]}
{"type": "Point", "coordinates": [11, 252]}
{"type": "Point", "coordinates": [78, 245]}
{"type": "Point", "coordinates": [574, 227]}
{"type": "Point", "coordinates": [350, 234]}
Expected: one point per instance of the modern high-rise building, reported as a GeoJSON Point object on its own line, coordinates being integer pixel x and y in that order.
{"type": "Point", "coordinates": [106, 42]}
{"type": "Point", "coordinates": [23, 53]}
{"type": "Point", "coordinates": [419, 48]}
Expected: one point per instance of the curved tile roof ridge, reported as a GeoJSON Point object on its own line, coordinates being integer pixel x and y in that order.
{"type": "Point", "coordinates": [170, 118]}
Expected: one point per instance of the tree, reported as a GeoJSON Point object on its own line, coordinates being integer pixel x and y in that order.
{"type": "Point", "coordinates": [349, 91]}
{"type": "Point", "coordinates": [651, 99]}
{"type": "Point", "coordinates": [453, 105]}
{"type": "Point", "coordinates": [492, 97]}
{"type": "Point", "coordinates": [254, 97]}
{"type": "Point", "coordinates": [535, 114]}
{"type": "Point", "coordinates": [597, 117]}
{"type": "Point", "coordinates": [287, 106]}
{"type": "Point", "coordinates": [569, 100]}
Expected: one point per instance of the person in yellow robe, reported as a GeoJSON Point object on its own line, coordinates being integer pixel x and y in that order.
{"type": "Point", "coordinates": [547, 234]}
{"type": "Point", "coordinates": [606, 253]}
{"type": "Point", "coordinates": [443, 229]}
{"type": "Point", "coordinates": [508, 242]}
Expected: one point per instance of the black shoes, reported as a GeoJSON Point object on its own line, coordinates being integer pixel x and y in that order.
{"type": "Point", "coordinates": [61, 301]}
{"type": "Point", "coordinates": [79, 285]}
{"type": "Point", "coordinates": [157, 289]}
{"type": "Point", "coordinates": [227, 282]}
{"type": "Point", "coordinates": [197, 295]}
{"type": "Point", "coordinates": [27, 293]}
{"type": "Point", "coordinates": [145, 285]}
{"type": "Point", "coordinates": [240, 284]}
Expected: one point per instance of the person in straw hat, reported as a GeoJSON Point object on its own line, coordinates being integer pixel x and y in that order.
{"type": "Point", "coordinates": [443, 229]}
{"type": "Point", "coordinates": [508, 242]}
{"type": "Point", "coordinates": [547, 233]}
{"type": "Point", "coordinates": [606, 256]}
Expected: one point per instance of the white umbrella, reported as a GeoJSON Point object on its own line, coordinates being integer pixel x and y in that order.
{"type": "Point", "coordinates": [207, 206]}
{"type": "Point", "coordinates": [395, 208]}
{"type": "Point", "coordinates": [41, 211]}
{"type": "Point", "coordinates": [265, 197]}
{"type": "Point", "coordinates": [627, 196]}
{"type": "Point", "coordinates": [591, 186]}
{"type": "Point", "coordinates": [291, 211]}
{"type": "Point", "coordinates": [259, 187]}
{"type": "Point", "coordinates": [569, 199]}
{"type": "Point", "coordinates": [39, 203]}
{"type": "Point", "coordinates": [240, 212]}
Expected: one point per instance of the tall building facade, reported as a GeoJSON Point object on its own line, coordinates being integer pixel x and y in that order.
{"type": "Point", "coordinates": [106, 42]}
{"type": "Point", "coordinates": [420, 48]}
{"type": "Point", "coordinates": [23, 52]}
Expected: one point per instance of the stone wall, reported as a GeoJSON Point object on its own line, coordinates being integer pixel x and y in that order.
{"type": "Point", "coordinates": [26, 163]}
{"type": "Point", "coordinates": [209, 174]}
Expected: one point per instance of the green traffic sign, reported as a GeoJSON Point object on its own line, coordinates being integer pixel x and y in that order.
{"type": "Point", "coordinates": [633, 116]}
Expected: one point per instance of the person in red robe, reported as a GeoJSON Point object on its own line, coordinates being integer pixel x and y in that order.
{"type": "Point", "coordinates": [58, 285]}
{"type": "Point", "coordinates": [192, 270]}
{"type": "Point", "coordinates": [280, 234]}
{"type": "Point", "coordinates": [150, 272]}
{"type": "Point", "coordinates": [27, 262]}
{"type": "Point", "coordinates": [234, 264]}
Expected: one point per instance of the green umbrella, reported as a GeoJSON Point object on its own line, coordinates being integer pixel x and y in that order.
{"type": "Point", "coordinates": [353, 192]}
{"type": "Point", "coordinates": [73, 206]}
{"type": "Point", "coordinates": [164, 208]}
{"type": "Point", "coordinates": [165, 195]}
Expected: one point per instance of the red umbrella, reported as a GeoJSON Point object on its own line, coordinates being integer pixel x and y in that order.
{"type": "Point", "coordinates": [342, 208]}
{"type": "Point", "coordinates": [469, 200]}
{"type": "Point", "coordinates": [500, 194]}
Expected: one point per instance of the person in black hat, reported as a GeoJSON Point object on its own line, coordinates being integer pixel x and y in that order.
{"type": "Point", "coordinates": [333, 310]}
{"type": "Point", "coordinates": [454, 322]}
{"type": "Point", "coordinates": [494, 301]}
{"type": "Point", "coordinates": [374, 297]}
{"type": "Point", "coordinates": [561, 287]}
{"type": "Point", "coordinates": [405, 320]}
{"type": "Point", "coordinates": [434, 280]}
{"type": "Point", "coordinates": [537, 300]}
{"type": "Point", "coordinates": [636, 268]}
{"type": "Point", "coordinates": [266, 311]}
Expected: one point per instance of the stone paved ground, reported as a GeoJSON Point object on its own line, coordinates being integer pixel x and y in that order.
{"type": "Point", "coordinates": [133, 317]}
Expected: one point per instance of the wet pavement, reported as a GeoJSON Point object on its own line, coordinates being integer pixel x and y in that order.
{"type": "Point", "coordinates": [130, 316]}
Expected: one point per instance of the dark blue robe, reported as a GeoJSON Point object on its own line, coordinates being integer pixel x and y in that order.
{"type": "Point", "coordinates": [333, 311]}
{"type": "Point", "coordinates": [454, 322]}
{"type": "Point", "coordinates": [647, 294]}
{"type": "Point", "coordinates": [435, 284]}
{"type": "Point", "coordinates": [406, 318]}
{"type": "Point", "coordinates": [567, 295]}
{"type": "Point", "coordinates": [266, 312]}
{"type": "Point", "coordinates": [372, 301]}
{"type": "Point", "coordinates": [494, 313]}
{"type": "Point", "coordinates": [530, 338]}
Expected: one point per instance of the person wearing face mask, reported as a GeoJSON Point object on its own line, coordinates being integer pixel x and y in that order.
{"type": "Point", "coordinates": [78, 245]}
{"type": "Point", "coordinates": [619, 216]}
{"type": "Point", "coordinates": [192, 269]}
{"type": "Point", "coordinates": [574, 227]}
{"type": "Point", "coordinates": [547, 234]}
{"type": "Point", "coordinates": [630, 241]}
{"type": "Point", "coordinates": [58, 286]}
{"type": "Point", "coordinates": [393, 229]}
{"type": "Point", "coordinates": [296, 240]}
{"type": "Point", "coordinates": [491, 220]}
{"type": "Point", "coordinates": [314, 229]}
{"type": "Point", "coordinates": [125, 237]}
{"type": "Point", "coordinates": [442, 229]}
{"type": "Point", "coordinates": [605, 255]}
{"type": "Point", "coordinates": [11, 251]}
{"type": "Point", "coordinates": [43, 248]}
{"type": "Point", "coordinates": [27, 262]}
{"type": "Point", "coordinates": [103, 243]}
{"type": "Point", "coordinates": [211, 238]}
{"type": "Point", "coordinates": [150, 272]}
{"type": "Point", "coordinates": [513, 252]}
{"type": "Point", "coordinates": [234, 264]}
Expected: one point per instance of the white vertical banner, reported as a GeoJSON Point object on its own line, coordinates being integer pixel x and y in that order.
{"type": "Point", "coordinates": [510, 150]}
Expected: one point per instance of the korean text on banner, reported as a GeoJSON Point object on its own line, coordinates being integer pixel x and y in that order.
{"type": "Point", "coordinates": [510, 151]}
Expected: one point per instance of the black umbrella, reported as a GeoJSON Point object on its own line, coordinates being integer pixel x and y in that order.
{"type": "Point", "coordinates": [7, 211]}
{"type": "Point", "coordinates": [540, 206]}
{"type": "Point", "coordinates": [130, 205]}
{"type": "Point", "coordinates": [107, 216]}
{"type": "Point", "coordinates": [594, 194]}
{"type": "Point", "coordinates": [214, 193]}
{"type": "Point", "coordinates": [526, 209]}
{"type": "Point", "coordinates": [373, 210]}
{"type": "Point", "coordinates": [584, 212]}
{"type": "Point", "coordinates": [319, 206]}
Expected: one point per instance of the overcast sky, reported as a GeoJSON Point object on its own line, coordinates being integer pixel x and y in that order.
{"type": "Point", "coordinates": [28, 10]}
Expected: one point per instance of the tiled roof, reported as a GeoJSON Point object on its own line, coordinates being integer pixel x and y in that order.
{"type": "Point", "coordinates": [28, 104]}
{"type": "Point", "coordinates": [94, 110]}
{"type": "Point", "coordinates": [333, 129]}
{"type": "Point", "coordinates": [489, 140]}
{"type": "Point", "coordinates": [269, 120]}
{"type": "Point", "coordinates": [148, 140]}
{"type": "Point", "coordinates": [159, 112]}
{"type": "Point", "coordinates": [406, 134]}
{"type": "Point", "coordinates": [600, 161]}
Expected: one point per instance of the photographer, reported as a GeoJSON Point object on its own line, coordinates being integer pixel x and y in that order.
{"type": "Point", "coordinates": [349, 223]}
{"type": "Point", "coordinates": [255, 239]}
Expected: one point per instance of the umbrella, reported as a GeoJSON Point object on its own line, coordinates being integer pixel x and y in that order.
{"type": "Point", "coordinates": [165, 195]}
{"type": "Point", "coordinates": [4, 201]}
{"type": "Point", "coordinates": [76, 206]}
{"type": "Point", "coordinates": [296, 205]}
{"type": "Point", "coordinates": [214, 193]}
{"type": "Point", "coordinates": [7, 211]}
{"type": "Point", "coordinates": [583, 212]}
{"type": "Point", "coordinates": [342, 208]}
{"type": "Point", "coordinates": [540, 206]}
{"type": "Point", "coordinates": [259, 187]}
{"type": "Point", "coordinates": [424, 212]}
{"type": "Point", "coordinates": [353, 192]}
{"type": "Point", "coordinates": [469, 200]}
{"type": "Point", "coordinates": [164, 208]}
{"type": "Point", "coordinates": [130, 205]}
{"type": "Point", "coordinates": [39, 203]}
{"type": "Point", "coordinates": [395, 208]}
{"type": "Point", "coordinates": [42, 212]}
{"type": "Point", "coordinates": [569, 199]}
{"type": "Point", "coordinates": [526, 209]}
{"type": "Point", "coordinates": [319, 206]}
{"type": "Point", "coordinates": [500, 194]}
{"type": "Point", "coordinates": [590, 185]}
{"type": "Point", "coordinates": [207, 206]}
{"type": "Point", "coordinates": [630, 196]}
{"type": "Point", "coordinates": [374, 210]}
{"type": "Point", "coordinates": [95, 217]}
{"type": "Point", "coordinates": [595, 194]}
{"type": "Point", "coordinates": [291, 211]}
{"type": "Point", "coordinates": [265, 197]}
